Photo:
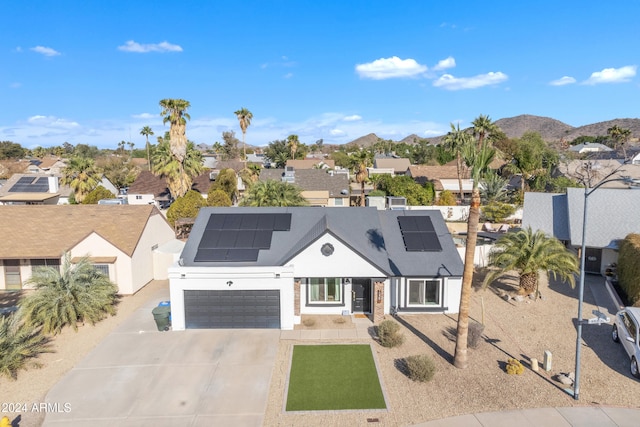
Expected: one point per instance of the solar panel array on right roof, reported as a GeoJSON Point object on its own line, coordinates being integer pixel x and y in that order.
{"type": "Point", "coordinates": [419, 234]}
{"type": "Point", "coordinates": [239, 237]}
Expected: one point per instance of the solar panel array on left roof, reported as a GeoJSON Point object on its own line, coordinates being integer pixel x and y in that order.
{"type": "Point", "coordinates": [30, 184]}
{"type": "Point", "coordinates": [239, 237]}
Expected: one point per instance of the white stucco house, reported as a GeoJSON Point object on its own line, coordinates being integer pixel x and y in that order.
{"type": "Point", "coordinates": [124, 242]}
{"type": "Point", "coordinates": [266, 267]}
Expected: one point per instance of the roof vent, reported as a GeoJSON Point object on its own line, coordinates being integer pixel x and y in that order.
{"type": "Point", "coordinates": [397, 203]}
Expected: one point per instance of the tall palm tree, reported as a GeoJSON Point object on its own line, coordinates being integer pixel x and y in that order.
{"type": "Point", "coordinates": [274, 193]}
{"type": "Point", "coordinates": [75, 293]}
{"type": "Point", "coordinates": [360, 161]}
{"type": "Point", "coordinates": [455, 141]}
{"type": "Point", "coordinates": [146, 131]}
{"type": "Point", "coordinates": [529, 253]}
{"type": "Point", "coordinates": [179, 175]}
{"type": "Point", "coordinates": [483, 127]}
{"type": "Point", "coordinates": [620, 137]}
{"type": "Point", "coordinates": [174, 111]}
{"type": "Point", "coordinates": [293, 142]}
{"type": "Point", "coordinates": [478, 158]}
{"type": "Point", "coordinates": [82, 176]}
{"type": "Point", "coordinates": [19, 344]}
{"type": "Point", "coordinates": [244, 118]}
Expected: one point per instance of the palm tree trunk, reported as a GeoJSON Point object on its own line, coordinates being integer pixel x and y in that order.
{"type": "Point", "coordinates": [459, 169]}
{"type": "Point", "coordinates": [362, 193]}
{"type": "Point", "coordinates": [529, 283]}
{"type": "Point", "coordinates": [148, 156]}
{"type": "Point", "coordinates": [244, 149]}
{"type": "Point", "coordinates": [460, 357]}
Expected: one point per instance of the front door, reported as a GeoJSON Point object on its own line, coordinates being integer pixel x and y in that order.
{"type": "Point", "coordinates": [592, 260]}
{"type": "Point", "coordinates": [361, 296]}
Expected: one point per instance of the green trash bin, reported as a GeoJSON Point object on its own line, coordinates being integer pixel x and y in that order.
{"type": "Point", "coordinates": [161, 315]}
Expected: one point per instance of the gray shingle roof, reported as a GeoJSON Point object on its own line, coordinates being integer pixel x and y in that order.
{"type": "Point", "coordinates": [612, 214]}
{"type": "Point", "coordinates": [374, 235]}
{"type": "Point", "coordinates": [313, 180]}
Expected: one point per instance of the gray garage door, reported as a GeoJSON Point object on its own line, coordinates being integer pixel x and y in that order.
{"type": "Point", "coordinates": [217, 309]}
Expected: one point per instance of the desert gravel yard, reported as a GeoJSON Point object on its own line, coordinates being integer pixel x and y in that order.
{"type": "Point", "coordinates": [522, 330]}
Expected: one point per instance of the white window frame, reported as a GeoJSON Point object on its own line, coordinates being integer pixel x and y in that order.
{"type": "Point", "coordinates": [324, 282]}
{"type": "Point", "coordinates": [101, 267]}
{"type": "Point", "coordinates": [422, 292]}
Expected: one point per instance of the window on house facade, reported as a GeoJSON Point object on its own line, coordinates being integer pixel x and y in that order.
{"type": "Point", "coordinates": [423, 292]}
{"type": "Point", "coordinates": [12, 279]}
{"type": "Point", "coordinates": [102, 268]}
{"type": "Point", "coordinates": [138, 197]}
{"type": "Point", "coordinates": [337, 202]}
{"type": "Point", "coordinates": [39, 263]}
{"type": "Point", "coordinates": [325, 290]}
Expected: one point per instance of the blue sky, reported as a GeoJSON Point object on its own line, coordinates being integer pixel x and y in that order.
{"type": "Point", "coordinates": [94, 72]}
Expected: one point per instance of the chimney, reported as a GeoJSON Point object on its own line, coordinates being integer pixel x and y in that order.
{"type": "Point", "coordinates": [53, 184]}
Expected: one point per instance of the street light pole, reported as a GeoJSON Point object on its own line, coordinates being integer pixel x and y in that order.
{"type": "Point", "coordinates": [587, 193]}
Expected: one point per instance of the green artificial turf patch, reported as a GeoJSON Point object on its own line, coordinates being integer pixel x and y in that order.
{"type": "Point", "coordinates": [330, 377]}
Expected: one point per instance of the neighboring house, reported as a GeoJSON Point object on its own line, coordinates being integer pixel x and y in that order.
{"type": "Point", "coordinates": [611, 215]}
{"type": "Point", "coordinates": [266, 267]}
{"type": "Point", "coordinates": [636, 159]}
{"type": "Point", "coordinates": [49, 164]}
{"type": "Point", "coordinates": [389, 166]}
{"type": "Point", "coordinates": [312, 164]}
{"type": "Point", "coordinates": [589, 147]}
{"type": "Point", "coordinates": [443, 178]}
{"type": "Point", "coordinates": [320, 187]}
{"type": "Point", "coordinates": [149, 189]}
{"type": "Point", "coordinates": [120, 240]}
{"type": "Point", "coordinates": [590, 172]}
{"type": "Point", "coordinates": [34, 189]}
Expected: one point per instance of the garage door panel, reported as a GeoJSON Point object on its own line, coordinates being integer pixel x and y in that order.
{"type": "Point", "coordinates": [227, 309]}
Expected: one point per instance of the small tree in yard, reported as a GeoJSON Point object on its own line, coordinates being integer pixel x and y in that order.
{"type": "Point", "coordinates": [75, 293]}
{"type": "Point", "coordinates": [186, 206]}
{"type": "Point", "coordinates": [218, 197]}
{"type": "Point", "coordinates": [99, 193]}
{"type": "Point", "coordinates": [629, 267]}
{"type": "Point", "coordinates": [19, 345]}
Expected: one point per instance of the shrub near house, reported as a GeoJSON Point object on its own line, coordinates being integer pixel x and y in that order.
{"type": "Point", "coordinates": [629, 267]}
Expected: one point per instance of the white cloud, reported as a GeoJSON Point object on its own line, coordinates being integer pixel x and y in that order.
{"type": "Point", "coordinates": [46, 51]}
{"type": "Point", "coordinates": [443, 64]}
{"type": "Point", "coordinates": [389, 68]}
{"type": "Point", "coordinates": [336, 132]}
{"type": "Point", "coordinates": [132, 46]}
{"type": "Point", "coordinates": [612, 75]}
{"type": "Point", "coordinates": [52, 121]}
{"type": "Point", "coordinates": [145, 116]}
{"type": "Point", "coordinates": [352, 118]}
{"type": "Point", "coordinates": [449, 82]}
{"type": "Point", "coordinates": [565, 80]}
{"type": "Point", "coordinates": [288, 75]}
{"type": "Point", "coordinates": [15, 85]}
{"type": "Point", "coordinates": [18, 48]}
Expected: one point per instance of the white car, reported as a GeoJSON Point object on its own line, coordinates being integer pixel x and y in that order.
{"type": "Point", "coordinates": [625, 330]}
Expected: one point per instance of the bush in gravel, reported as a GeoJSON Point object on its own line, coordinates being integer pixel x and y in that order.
{"type": "Point", "coordinates": [420, 368]}
{"type": "Point", "coordinates": [389, 334]}
{"type": "Point", "coordinates": [474, 335]}
{"type": "Point", "coordinates": [514, 367]}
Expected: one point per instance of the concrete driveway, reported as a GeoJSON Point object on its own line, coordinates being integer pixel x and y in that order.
{"type": "Point", "coordinates": [138, 376]}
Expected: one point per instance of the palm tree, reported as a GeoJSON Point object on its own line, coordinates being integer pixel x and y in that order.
{"type": "Point", "coordinates": [454, 142]}
{"type": "Point", "coordinates": [483, 127]}
{"type": "Point", "coordinates": [179, 175]}
{"type": "Point", "coordinates": [244, 118]}
{"type": "Point", "coordinates": [293, 143]}
{"type": "Point", "coordinates": [529, 253]}
{"type": "Point", "coordinates": [360, 161]}
{"type": "Point", "coordinates": [478, 158]}
{"type": "Point", "coordinates": [76, 293]}
{"type": "Point", "coordinates": [82, 176]}
{"type": "Point", "coordinates": [274, 193]}
{"type": "Point", "coordinates": [174, 111]}
{"type": "Point", "coordinates": [146, 131]}
{"type": "Point", "coordinates": [19, 343]}
{"type": "Point", "coordinates": [620, 137]}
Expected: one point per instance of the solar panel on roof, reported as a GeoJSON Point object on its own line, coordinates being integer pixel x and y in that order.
{"type": "Point", "coordinates": [249, 222]}
{"type": "Point", "coordinates": [238, 255]}
{"type": "Point", "coordinates": [209, 239]}
{"type": "Point", "coordinates": [227, 238]}
{"type": "Point", "coordinates": [216, 221]}
{"type": "Point", "coordinates": [26, 180]}
{"type": "Point", "coordinates": [282, 222]}
{"type": "Point", "coordinates": [419, 234]}
{"type": "Point", "coordinates": [232, 222]}
{"type": "Point", "coordinates": [244, 238]}
{"type": "Point", "coordinates": [266, 221]}
{"type": "Point", "coordinates": [210, 255]}
{"type": "Point", "coordinates": [262, 239]}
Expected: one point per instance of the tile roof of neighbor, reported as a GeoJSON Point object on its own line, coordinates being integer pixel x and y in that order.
{"type": "Point", "coordinates": [374, 234]}
{"type": "Point", "coordinates": [310, 163]}
{"type": "Point", "coordinates": [399, 165]}
{"type": "Point", "coordinates": [611, 215]}
{"type": "Point", "coordinates": [148, 183]}
{"type": "Point", "coordinates": [46, 231]}
{"type": "Point", "coordinates": [590, 146]}
{"type": "Point", "coordinates": [312, 180]}
{"type": "Point", "coordinates": [437, 172]}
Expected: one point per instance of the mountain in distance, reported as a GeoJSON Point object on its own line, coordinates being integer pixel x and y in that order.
{"type": "Point", "coordinates": [550, 129]}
